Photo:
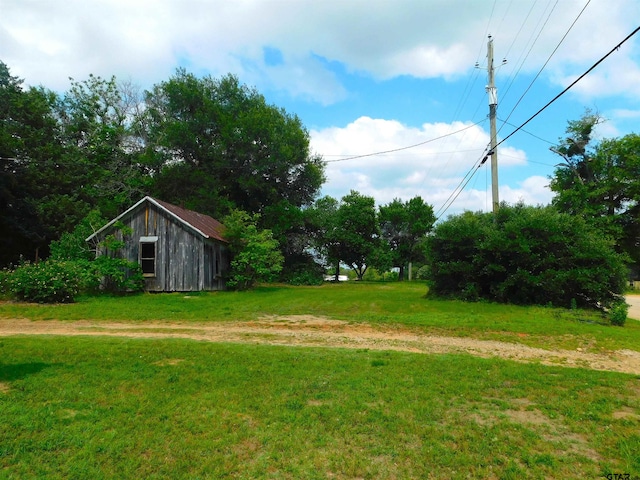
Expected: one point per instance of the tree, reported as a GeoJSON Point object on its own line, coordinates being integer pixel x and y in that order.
{"type": "Point", "coordinates": [356, 231]}
{"type": "Point", "coordinates": [231, 147]}
{"type": "Point", "coordinates": [323, 229]}
{"type": "Point", "coordinates": [255, 254]}
{"type": "Point", "coordinates": [404, 226]}
{"type": "Point", "coordinates": [29, 149]}
{"type": "Point", "coordinates": [601, 182]}
{"type": "Point", "coordinates": [526, 255]}
{"type": "Point", "coordinates": [99, 120]}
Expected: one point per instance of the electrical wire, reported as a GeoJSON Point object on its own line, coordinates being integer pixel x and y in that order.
{"type": "Point", "coordinates": [459, 189]}
{"type": "Point", "coordinates": [529, 52]}
{"type": "Point", "coordinates": [461, 186]}
{"type": "Point", "coordinates": [515, 39]}
{"type": "Point", "coordinates": [403, 148]}
{"type": "Point", "coordinates": [526, 131]}
{"type": "Point", "coordinates": [570, 86]}
{"type": "Point", "coordinates": [547, 61]}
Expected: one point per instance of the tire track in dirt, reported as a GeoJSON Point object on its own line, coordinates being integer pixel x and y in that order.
{"type": "Point", "coordinates": [310, 331]}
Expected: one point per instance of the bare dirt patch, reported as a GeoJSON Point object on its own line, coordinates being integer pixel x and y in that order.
{"type": "Point", "coordinates": [626, 413]}
{"type": "Point", "coordinates": [169, 362]}
{"type": "Point", "coordinates": [553, 431]}
{"type": "Point", "coordinates": [313, 331]}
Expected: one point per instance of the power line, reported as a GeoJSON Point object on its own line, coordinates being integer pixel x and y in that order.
{"type": "Point", "coordinates": [461, 186]}
{"type": "Point", "coordinates": [548, 59]}
{"type": "Point", "coordinates": [459, 190]}
{"type": "Point", "coordinates": [526, 131]}
{"type": "Point", "coordinates": [570, 86]}
{"type": "Point", "coordinates": [513, 79]}
{"type": "Point", "coordinates": [403, 148]}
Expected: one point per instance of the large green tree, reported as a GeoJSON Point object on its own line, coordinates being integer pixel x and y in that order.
{"type": "Point", "coordinates": [218, 145]}
{"type": "Point", "coordinates": [102, 147]}
{"type": "Point", "coordinates": [356, 232]}
{"type": "Point", "coordinates": [404, 226]}
{"type": "Point", "coordinates": [29, 168]}
{"type": "Point", "coordinates": [600, 182]}
{"type": "Point", "coordinates": [323, 228]}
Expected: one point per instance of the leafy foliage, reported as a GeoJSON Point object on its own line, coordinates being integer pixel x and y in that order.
{"type": "Point", "coordinates": [115, 275]}
{"type": "Point", "coordinates": [600, 182]}
{"type": "Point", "coordinates": [255, 254]}
{"type": "Point", "coordinates": [356, 231]}
{"type": "Point", "coordinates": [51, 281]}
{"type": "Point", "coordinates": [72, 245]}
{"type": "Point", "coordinates": [232, 148]}
{"type": "Point", "coordinates": [525, 255]}
{"type": "Point", "coordinates": [404, 226]}
{"type": "Point", "coordinates": [618, 313]}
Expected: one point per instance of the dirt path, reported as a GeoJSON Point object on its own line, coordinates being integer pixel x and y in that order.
{"type": "Point", "coordinates": [634, 306]}
{"type": "Point", "coordinates": [311, 331]}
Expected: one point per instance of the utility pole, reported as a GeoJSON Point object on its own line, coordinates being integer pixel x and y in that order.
{"type": "Point", "coordinates": [493, 105]}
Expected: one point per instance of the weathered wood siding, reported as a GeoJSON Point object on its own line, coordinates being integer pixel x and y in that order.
{"type": "Point", "coordinates": [185, 261]}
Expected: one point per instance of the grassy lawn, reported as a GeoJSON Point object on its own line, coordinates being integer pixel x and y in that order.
{"type": "Point", "coordinates": [381, 303]}
{"type": "Point", "coordinates": [130, 408]}
{"type": "Point", "coordinates": [76, 407]}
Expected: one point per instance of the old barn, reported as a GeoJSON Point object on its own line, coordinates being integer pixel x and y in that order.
{"type": "Point", "coordinates": [179, 250]}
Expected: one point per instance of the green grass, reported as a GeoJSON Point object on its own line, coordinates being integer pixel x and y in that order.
{"type": "Point", "coordinates": [130, 408]}
{"type": "Point", "coordinates": [99, 407]}
{"type": "Point", "coordinates": [380, 303]}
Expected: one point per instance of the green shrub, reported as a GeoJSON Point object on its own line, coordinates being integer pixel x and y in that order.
{"type": "Point", "coordinates": [423, 273]}
{"type": "Point", "coordinates": [525, 255]}
{"type": "Point", "coordinates": [302, 269]}
{"type": "Point", "coordinates": [5, 286]}
{"type": "Point", "coordinates": [72, 245]}
{"type": "Point", "coordinates": [372, 275]}
{"type": "Point", "coordinates": [47, 282]}
{"type": "Point", "coordinates": [305, 277]}
{"type": "Point", "coordinates": [618, 314]}
{"type": "Point", "coordinates": [255, 254]}
{"type": "Point", "coordinates": [115, 275]}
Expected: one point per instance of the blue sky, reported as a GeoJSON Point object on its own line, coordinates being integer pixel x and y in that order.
{"type": "Point", "coordinates": [367, 76]}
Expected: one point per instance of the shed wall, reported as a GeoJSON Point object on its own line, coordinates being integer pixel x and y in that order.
{"type": "Point", "coordinates": [185, 261]}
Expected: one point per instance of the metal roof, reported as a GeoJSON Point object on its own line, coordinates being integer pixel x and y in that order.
{"type": "Point", "coordinates": [205, 225]}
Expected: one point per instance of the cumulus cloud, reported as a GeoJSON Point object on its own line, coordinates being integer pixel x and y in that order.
{"type": "Point", "coordinates": [46, 42]}
{"type": "Point", "coordinates": [440, 158]}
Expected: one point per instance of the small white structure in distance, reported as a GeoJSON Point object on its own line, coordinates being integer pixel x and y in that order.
{"type": "Point", "coordinates": [331, 278]}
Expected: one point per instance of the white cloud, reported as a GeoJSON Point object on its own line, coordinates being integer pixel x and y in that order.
{"type": "Point", "coordinates": [532, 191]}
{"type": "Point", "coordinates": [433, 170]}
{"type": "Point", "coordinates": [46, 42]}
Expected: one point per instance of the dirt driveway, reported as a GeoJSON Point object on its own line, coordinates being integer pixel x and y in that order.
{"type": "Point", "coordinates": [634, 306]}
{"type": "Point", "coordinates": [310, 331]}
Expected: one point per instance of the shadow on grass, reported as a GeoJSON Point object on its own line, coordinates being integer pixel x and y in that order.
{"type": "Point", "coordinates": [9, 373]}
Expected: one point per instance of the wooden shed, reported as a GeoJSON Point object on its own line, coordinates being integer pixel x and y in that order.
{"type": "Point", "coordinates": [179, 250]}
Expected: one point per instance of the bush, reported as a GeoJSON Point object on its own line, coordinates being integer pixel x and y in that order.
{"type": "Point", "coordinates": [5, 285]}
{"type": "Point", "coordinates": [47, 282]}
{"type": "Point", "coordinates": [305, 277]}
{"type": "Point", "coordinates": [115, 275]}
{"type": "Point", "coordinates": [423, 273]}
{"type": "Point", "coordinates": [255, 254]}
{"type": "Point", "coordinates": [618, 314]}
{"type": "Point", "coordinates": [72, 245]}
{"type": "Point", "coordinates": [525, 255]}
